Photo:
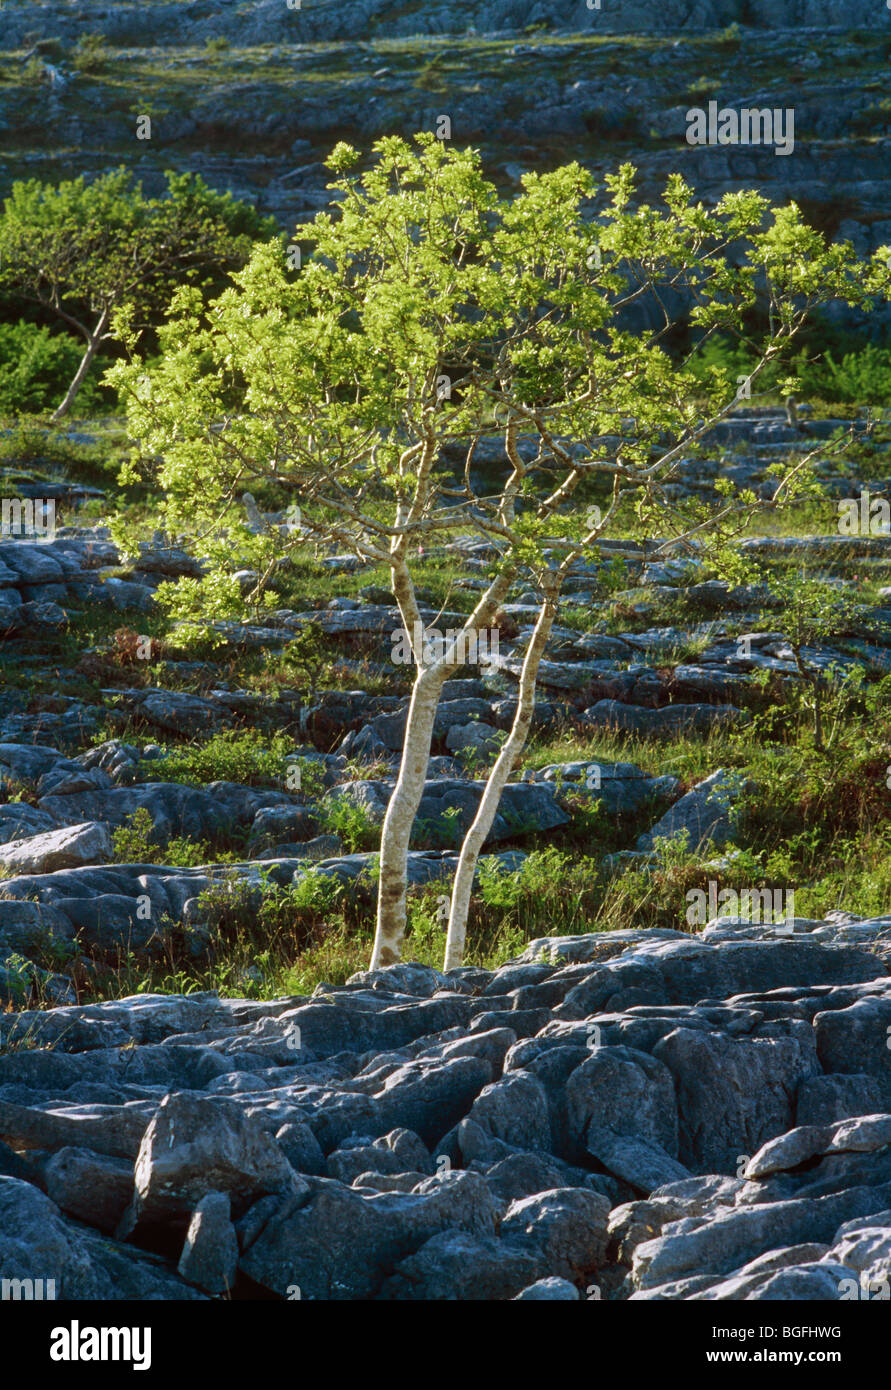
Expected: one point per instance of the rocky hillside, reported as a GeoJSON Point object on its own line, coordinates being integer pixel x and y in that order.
{"type": "Point", "coordinates": [255, 96]}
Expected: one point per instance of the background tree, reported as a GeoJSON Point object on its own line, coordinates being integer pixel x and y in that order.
{"type": "Point", "coordinates": [306, 655]}
{"type": "Point", "coordinates": [430, 313]}
{"type": "Point", "coordinates": [814, 612]}
{"type": "Point", "coordinates": [81, 252]}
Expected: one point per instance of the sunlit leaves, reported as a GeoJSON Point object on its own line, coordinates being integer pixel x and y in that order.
{"type": "Point", "coordinates": [549, 313]}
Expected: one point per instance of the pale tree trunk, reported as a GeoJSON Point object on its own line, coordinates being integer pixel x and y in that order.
{"type": "Point", "coordinates": [406, 798]}
{"type": "Point", "coordinates": [94, 339]}
{"type": "Point", "coordinates": [491, 797]}
{"type": "Point", "coordinates": [400, 817]}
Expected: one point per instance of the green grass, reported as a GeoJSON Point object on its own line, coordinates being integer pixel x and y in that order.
{"type": "Point", "coordinates": [817, 824]}
{"type": "Point", "coordinates": [245, 756]}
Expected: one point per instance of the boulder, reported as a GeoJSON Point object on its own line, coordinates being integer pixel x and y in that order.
{"type": "Point", "coordinates": [88, 843]}
{"type": "Point", "coordinates": [197, 1144]}
{"type": "Point", "coordinates": [209, 1259]}
{"type": "Point", "coordinates": [705, 814]}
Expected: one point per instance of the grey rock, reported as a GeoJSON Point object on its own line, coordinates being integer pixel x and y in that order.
{"type": "Point", "coordinates": [335, 1243]}
{"type": "Point", "coordinates": [670, 719]}
{"type": "Point", "coordinates": [643, 1164]}
{"type": "Point", "coordinates": [63, 780]}
{"type": "Point", "coordinates": [174, 809]}
{"type": "Point", "coordinates": [301, 1148]}
{"type": "Point", "coordinates": [822, 1099]}
{"type": "Point", "coordinates": [106, 1129]}
{"type": "Point", "coordinates": [743, 1283]}
{"type": "Point", "coordinates": [87, 843]}
{"type": "Point", "coordinates": [95, 1188]}
{"type": "Point", "coordinates": [456, 1265]}
{"type": "Point", "coordinates": [400, 1151]}
{"type": "Point", "coordinates": [620, 1092]}
{"type": "Point", "coordinates": [704, 814]}
{"type": "Point", "coordinates": [549, 1291]}
{"type": "Point", "coordinates": [195, 1145]}
{"type": "Point", "coordinates": [863, 1243]}
{"type": "Point", "coordinates": [513, 1110]}
{"type": "Point", "coordinates": [448, 806]}
{"type": "Point", "coordinates": [28, 762]}
{"type": "Point", "coordinates": [478, 736]}
{"type": "Point", "coordinates": [733, 1094]}
{"type": "Point", "coordinates": [209, 1258]}
{"type": "Point", "coordinates": [519, 1175]}
{"type": "Point", "coordinates": [728, 1239]}
{"type": "Point", "coordinates": [37, 1242]}
{"type": "Point", "coordinates": [853, 1040]}
{"type": "Point", "coordinates": [567, 1228]}
{"type": "Point", "coordinates": [19, 821]}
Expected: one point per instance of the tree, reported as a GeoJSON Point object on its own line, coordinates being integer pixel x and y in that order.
{"type": "Point", "coordinates": [83, 252]}
{"type": "Point", "coordinates": [305, 654]}
{"type": "Point", "coordinates": [813, 612]}
{"type": "Point", "coordinates": [427, 314]}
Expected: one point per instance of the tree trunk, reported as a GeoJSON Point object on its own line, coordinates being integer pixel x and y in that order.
{"type": "Point", "coordinates": [403, 807]}
{"type": "Point", "coordinates": [77, 381]}
{"type": "Point", "coordinates": [400, 817]}
{"type": "Point", "coordinates": [489, 802]}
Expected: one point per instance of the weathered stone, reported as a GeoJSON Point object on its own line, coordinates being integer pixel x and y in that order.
{"type": "Point", "coordinates": [567, 1228]}
{"type": "Point", "coordinates": [549, 1291]}
{"type": "Point", "coordinates": [210, 1252]}
{"type": "Point", "coordinates": [195, 1145]}
{"type": "Point", "coordinates": [93, 1187]}
{"type": "Point", "coordinates": [89, 843]}
{"type": "Point", "coordinates": [704, 814]}
{"type": "Point", "coordinates": [334, 1243]}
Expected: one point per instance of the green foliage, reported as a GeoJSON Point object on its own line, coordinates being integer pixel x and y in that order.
{"type": "Point", "coordinates": [730, 37]}
{"type": "Point", "coordinates": [135, 842]}
{"type": "Point", "coordinates": [324, 379]}
{"type": "Point", "coordinates": [34, 73]}
{"type": "Point", "coordinates": [30, 444]}
{"type": "Point", "coordinates": [862, 377]}
{"type": "Point", "coordinates": [36, 367]}
{"type": "Point", "coordinates": [244, 756]}
{"type": "Point", "coordinates": [812, 610]}
{"type": "Point", "coordinates": [352, 822]}
{"type": "Point", "coordinates": [701, 87]}
{"type": "Point", "coordinates": [85, 252]}
{"type": "Point", "coordinates": [816, 823]}
{"type": "Point", "coordinates": [262, 940]}
{"type": "Point", "coordinates": [192, 605]}
{"type": "Point", "coordinates": [307, 655]}
{"type": "Point", "coordinates": [91, 54]}
{"type": "Point", "coordinates": [328, 374]}
{"type": "Point", "coordinates": [856, 375]}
